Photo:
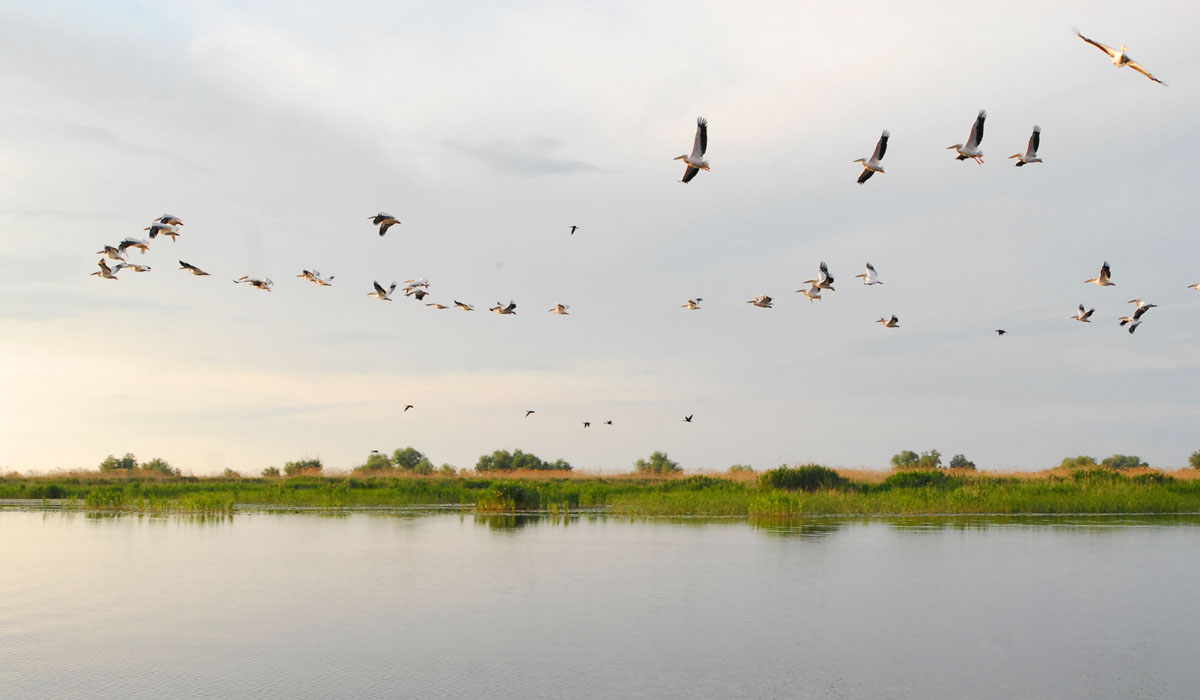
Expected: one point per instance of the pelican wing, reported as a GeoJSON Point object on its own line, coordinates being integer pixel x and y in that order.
{"type": "Point", "coordinates": [1138, 67]}
{"type": "Point", "coordinates": [1035, 139]}
{"type": "Point", "coordinates": [866, 175]}
{"type": "Point", "coordinates": [976, 137]}
{"type": "Point", "coordinates": [700, 145]}
{"type": "Point", "coordinates": [379, 288]}
{"type": "Point", "coordinates": [1112, 53]}
{"type": "Point", "coordinates": [1105, 272]}
{"type": "Point", "coordinates": [881, 146]}
{"type": "Point", "coordinates": [689, 174]}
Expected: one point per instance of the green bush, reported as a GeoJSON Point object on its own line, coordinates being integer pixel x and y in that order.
{"type": "Point", "coordinates": [303, 466]}
{"type": "Point", "coordinates": [159, 466]}
{"type": "Point", "coordinates": [659, 463]}
{"type": "Point", "coordinates": [918, 479]}
{"type": "Point", "coordinates": [911, 460]}
{"type": "Point", "coordinates": [505, 461]}
{"type": "Point", "coordinates": [810, 477]}
{"type": "Point", "coordinates": [270, 471]}
{"type": "Point", "coordinates": [508, 495]}
{"type": "Point", "coordinates": [1194, 460]}
{"type": "Point", "coordinates": [961, 462]}
{"type": "Point", "coordinates": [1123, 462]}
{"type": "Point", "coordinates": [127, 463]}
{"type": "Point", "coordinates": [740, 469]}
{"type": "Point", "coordinates": [1080, 462]}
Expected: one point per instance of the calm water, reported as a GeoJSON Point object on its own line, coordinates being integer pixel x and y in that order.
{"type": "Point", "coordinates": [452, 606]}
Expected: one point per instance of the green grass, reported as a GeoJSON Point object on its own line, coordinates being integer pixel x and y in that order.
{"type": "Point", "coordinates": [808, 490]}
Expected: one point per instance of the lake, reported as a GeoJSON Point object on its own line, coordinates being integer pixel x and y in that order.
{"type": "Point", "coordinates": [426, 604]}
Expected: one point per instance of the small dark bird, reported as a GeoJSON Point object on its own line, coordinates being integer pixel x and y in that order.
{"type": "Point", "coordinates": [408, 407]}
{"type": "Point", "coordinates": [688, 418]}
{"type": "Point", "coordinates": [573, 230]}
{"type": "Point", "coordinates": [608, 422]}
{"type": "Point", "coordinates": [418, 293]}
{"type": "Point", "coordinates": [1000, 331]}
{"type": "Point", "coordinates": [528, 413]}
{"type": "Point", "coordinates": [587, 424]}
{"type": "Point", "coordinates": [374, 452]}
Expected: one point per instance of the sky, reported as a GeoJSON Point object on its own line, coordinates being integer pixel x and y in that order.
{"type": "Point", "coordinates": [489, 129]}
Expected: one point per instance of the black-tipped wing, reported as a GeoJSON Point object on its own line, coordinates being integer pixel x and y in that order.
{"type": "Point", "coordinates": [1035, 140]}
{"type": "Point", "coordinates": [977, 129]}
{"type": "Point", "coordinates": [881, 146]}
{"type": "Point", "coordinates": [866, 175]}
{"type": "Point", "coordinates": [689, 174]}
{"type": "Point", "coordinates": [379, 289]}
{"type": "Point", "coordinates": [1105, 272]}
{"type": "Point", "coordinates": [700, 145]}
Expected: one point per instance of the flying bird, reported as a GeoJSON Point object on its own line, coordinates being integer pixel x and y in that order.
{"type": "Point", "coordinates": [264, 284]}
{"type": "Point", "coordinates": [573, 228]}
{"type": "Point", "coordinates": [695, 161]}
{"type": "Point", "coordinates": [560, 309]}
{"type": "Point", "coordinates": [893, 322]}
{"type": "Point", "coordinates": [608, 422]}
{"type": "Point", "coordinates": [693, 304]}
{"type": "Point", "coordinates": [587, 424]}
{"type": "Point", "coordinates": [823, 280]}
{"type": "Point", "coordinates": [464, 306]}
{"type": "Point", "coordinates": [813, 293]}
{"type": "Point", "coordinates": [502, 309]}
{"type": "Point", "coordinates": [1195, 286]}
{"type": "Point", "coordinates": [192, 269]}
{"type": "Point", "coordinates": [1133, 322]}
{"type": "Point", "coordinates": [871, 165]}
{"type": "Point", "coordinates": [105, 272]}
{"type": "Point", "coordinates": [970, 149]}
{"type": "Point", "coordinates": [529, 413]}
{"type": "Point", "coordinates": [1120, 58]}
{"type": "Point", "coordinates": [169, 220]}
{"type": "Point", "coordinates": [1105, 278]}
{"type": "Point", "coordinates": [382, 294]}
{"type": "Point", "coordinates": [315, 277]}
{"type": "Point", "coordinates": [1142, 307]}
{"type": "Point", "coordinates": [688, 418]}
{"type": "Point", "coordinates": [1084, 315]}
{"type": "Point", "coordinates": [870, 276]}
{"type": "Point", "coordinates": [762, 302]}
{"type": "Point", "coordinates": [131, 266]}
{"type": "Point", "coordinates": [437, 306]}
{"type": "Point", "coordinates": [1000, 331]}
{"type": "Point", "coordinates": [111, 253]}
{"type": "Point", "coordinates": [131, 242]}
{"type": "Point", "coordinates": [383, 221]}
{"type": "Point", "coordinates": [407, 406]}
{"type": "Point", "coordinates": [162, 230]}
{"type": "Point", "coordinates": [1030, 154]}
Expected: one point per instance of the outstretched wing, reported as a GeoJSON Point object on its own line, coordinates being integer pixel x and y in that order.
{"type": "Point", "coordinates": [689, 174]}
{"type": "Point", "coordinates": [379, 289]}
{"type": "Point", "coordinates": [866, 175]}
{"type": "Point", "coordinates": [976, 137]}
{"type": "Point", "coordinates": [1035, 140]}
{"type": "Point", "coordinates": [1138, 67]}
{"type": "Point", "coordinates": [700, 145]}
{"type": "Point", "coordinates": [1112, 53]}
{"type": "Point", "coordinates": [881, 146]}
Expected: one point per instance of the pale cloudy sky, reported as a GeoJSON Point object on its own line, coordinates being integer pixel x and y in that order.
{"type": "Point", "coordinates": [490, 128]}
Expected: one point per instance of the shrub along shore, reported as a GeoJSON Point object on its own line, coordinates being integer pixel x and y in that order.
{"type": "Point", "coordinates": [783, 492]}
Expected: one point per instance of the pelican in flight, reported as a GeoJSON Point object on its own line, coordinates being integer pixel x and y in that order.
{"type": "Point", "coordinates": [192, 269]}
{"type": "Point", "coordinates": [1105, 278]}
{"type": "Point", "coordinates": [529, 413]}
{"type": "Point", "coordinates": [1030, 154]}
{"type": "Point", "coordinates": [870, 276]}
{"type": "Point", "coordinates": [383, 221]}
{"type": "Point", "coordinates": [315, 277]}
{"type": "Point", "coordinates": [264, 284]}
{"type": "Point", "coordinates": [970, 149]}
{"type": "Point", "coordinates": [439, 307]}
{"type": "Point", "coordinates": [560, 309]}
{"type": "Point", "coordinates": [1195, 286]}
{"type": "Point", "coordinates": [382, 294]}
{"type": "Point", "coordinates": [502, 309]}
{"type": "Point", "coordinates": [823, 280]}
{"type": "Point", "coordinates": [693, 304]}
{"type": "Point", "coordinates": [871, 165]}
{"type": "Point", "coordinates": [464, 306]}
{"type": "Point", "coordinates": [1120, 58]}
{"type": "Point", "coordinates": [169, 220]}
{"type": "Point", "coordinates": [1142, 307]}
{"type": "Point", "coordinates": [420, 294]}
{"type": "Point", "coordinates": [111, 253]}
{"type": "Point", "coordinates": [762, 302]}
{"type": "Point", "coordinates": [105, 272]}
{"type": "Point", "coordinates": [813, 293]}
{"type": "Point", "coordinates": [1084, 315]}
{"type": "Point", "coordinates": [162, 230]}
{"type": "Point", "coordinates": [1133, 322]}
{"type": "Point", "coordinates": [573, 229]}
{"type": "Point", "coordinates": [892, 322]}
{"type": "Point", "coordinates": [131, 266]}
{"type": "Point", "coordinates": [695, 162]}
{"type": "Point", "coordinates": [131, 242]}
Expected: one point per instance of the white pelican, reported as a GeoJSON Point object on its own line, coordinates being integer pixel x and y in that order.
{"type": "Point", "coordinates": [573, 228]}
{"type": "Point", "coordinates": [871, 165]}
{"type": "Point", "coordinates": [380, 293]}
{"type": "Point", "coordinates": [499, 308]}
{"type": "Point", "coordinates": [813, 293]}
{"type": "Point", "coordinates": [131, 242]}
{"type": "Point", "coordinates": [870, 276]}
{"type": "Point", "coordinates": [314, 276]}
{"type": "Point", "coordinates": [560, 309]}
{"type": "Point", "coordinates": [1120, 58]}
{"type": "Point", "coordinates": [1084, 315]}
{"type": "Point", "coordinates": [762, 302]}
{"type": "Point", "coordinates": [693, 304]}
{"type": "Point", "coordinates": [131, 266]}
{"type": "Point", "coordinates": [163, 230]}
{"type": "Point", "coordinates": [823, 280]}
{"type": "Point", "coordinates": [1030, 154]}
{"type": "Point", "coordinates": [420, 294]}
{"type": "Point", "coordinates": [893, 322]}
{"type": "Point", "coordinates": [307, 276]}
{"type": "Point", "coordinates": [439, 307]}
{"type": "Point", "coordinates": [192, 269]}
{"type": "Point", "coordinates": [111, 253]}
{"type": "Point", "coordinates": [169, 220]}
{"type": "Point", "coordinates": [971, 148]}
{"type": "Point", "coordinates": [1133, 322]}
{"type": "Point", "coordinates": [383, 221]}
{"type": "Point", "coordinates": [104, 272]}
{"type": "Point", "coordinates": [264, 284]}
{"type": "Point", "coordinates": [1142, 308]}
{"type": "Point", "coordinates": [1105, 278]}
{"type": "Point", "coordinates": [695, 161]}
{"type": "Point", "coordinates": [464, 306]}
{"type": "Point", "coordinates": [1195, 286]}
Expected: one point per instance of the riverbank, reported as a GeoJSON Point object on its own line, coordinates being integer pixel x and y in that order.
{"type": "Point", "coordinates": [816, 491]}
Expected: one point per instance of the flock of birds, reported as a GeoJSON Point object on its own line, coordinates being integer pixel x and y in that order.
{"type": "Point", "coordinates": [168, 226]}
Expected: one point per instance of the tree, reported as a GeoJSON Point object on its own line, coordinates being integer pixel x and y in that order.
{"type": "Point", "coordinates": [1080, 462]}
{"type": "Point", "coordinates": [1123, 462]}
{"type": "Point", "coordinates": [930, 460]}
{"type": "Point", "coordinates": [230, 474]}
{"type": "Point", "coordinates": [302, 466]}
{"type": "Point", "coordinates": [504, 461]}
{"type": "Point", "coordinates": [741, 469]}
{"type": "Point", "coordinates": [407, 458]}
{"type": "Point", "coordinates": [447, 470]}
{"type": "Point", "coordinates": [159, 466]}
{"type": "Point", "coordinates": [270, 472]}
{"type": "Point", "coordinates": [659, 463]}
{"type": "Point", "coordinates": [960, 461]}
{"type": "Point", "coordinates": [905, 460]}
{"type": "Point", "coordinates": [1194, 460]}
{"type": "Point", "coordinates": [127, 463]}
